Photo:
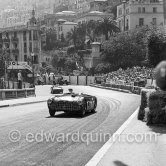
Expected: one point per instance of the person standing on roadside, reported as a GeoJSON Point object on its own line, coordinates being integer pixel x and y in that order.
{"type": "Point", "coordinates": [19, 76]}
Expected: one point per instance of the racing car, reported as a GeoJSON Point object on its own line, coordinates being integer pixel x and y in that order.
{"type": "Point", "coordinates": [56, 90]}
{"type": "Point", "coordinates": [72, 102]}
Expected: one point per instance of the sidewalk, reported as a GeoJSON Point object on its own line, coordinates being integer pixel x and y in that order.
{"type": "Point", "coordinates": [137, 145]}
{"type": "Point", "coordinates": [22, 101]}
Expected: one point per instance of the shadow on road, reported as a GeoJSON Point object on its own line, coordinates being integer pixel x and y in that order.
{"type": "Point", "coordinates": [70, 115]}
{"type": "Point", "coordinates": [119, 163]}
{"type": "Point", "coordinates": [159, 129]}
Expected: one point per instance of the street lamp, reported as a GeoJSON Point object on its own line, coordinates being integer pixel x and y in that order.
{"type": "Point", "coordinates": [124, 2]}
{"type": "Point", "coordinates": [32, 55]}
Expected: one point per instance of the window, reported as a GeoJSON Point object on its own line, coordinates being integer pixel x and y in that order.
{"type": "Point", "coordinates": [25, 58]}
{"type": "Point", "coordinates": [35, 37]}
{"type": "Point", "coordinates": [139, 9]}
{"type": "Point", "coordinates": [154, 21]}
{"type": "Point", "coordinates": [16, 58]}
{"type": "Point", "coordinates": [15, 45]}
{"type": "Point", "coordinates": [30, 47]}
{"type": "Point", "coordinates": [15, 34]}
{"type": "Point", "coordinates": [25, 47]}
{"type": "Point", "coordinates": [154, 9]}
{"type": "Point", "coordinates": [35, 59]}
{"type": "Point", "coordinates": [127, 11]}
{"type": "Point", "coordinates": [127, 25]}
{"type": "Point", "coordinates": [120, 12]}
{"type": "Point", "coordinates": [24, 33]}
{"type": "Point", "coordinates": [120, 24]}
{"type": "Point", "coordinates": [30, 37]}
{"type": "Point", "coordinates": [141, 21]}
{"type": "Point", "coordinates": [143, 10]}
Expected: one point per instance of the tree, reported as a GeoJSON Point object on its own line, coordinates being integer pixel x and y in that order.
{"type": "Point", "coordinates": [54, 61]}
{"type": "Point", "coordinates": [4, 59]}
{"type": "Point", "coordinates": [70, 65]}
{"type": "Point", "coordinates": [156, 42]}
{"type": "Point", "coordinates": [51, 38]}
{"type": "Point", "coordinates": [103, 68]}
{"type": "Point", "coordinates": [106, 26]}
{"type": "Point", "coordinates": [125, 49]}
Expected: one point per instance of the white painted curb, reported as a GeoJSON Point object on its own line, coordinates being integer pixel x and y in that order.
{"type": "Point", "coordinates": [99, 155]}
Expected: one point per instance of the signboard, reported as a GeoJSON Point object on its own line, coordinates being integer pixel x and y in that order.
{"type": "Point", "coordinates": [13, 63]}
{"type": "Point", "coordinates": [18, 65]}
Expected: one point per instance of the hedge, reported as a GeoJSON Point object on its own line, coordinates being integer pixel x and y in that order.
{"type": "Point", "coordinates": [144, 102]}
{"type": "Point", "coordinates": [157, 108]}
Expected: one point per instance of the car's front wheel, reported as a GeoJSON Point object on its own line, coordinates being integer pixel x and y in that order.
{"type": "Point", "coordinates": [51, 112]}
{"type": "Point", "coordinates": [83, 110]}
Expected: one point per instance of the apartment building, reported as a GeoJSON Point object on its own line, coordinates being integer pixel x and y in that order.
{"type": "Point", "coordinates": [135, 13]}
{"type": "Point", "coordinates": [63, 27]}
{"type": "Point", "coordinates": [21, 42]}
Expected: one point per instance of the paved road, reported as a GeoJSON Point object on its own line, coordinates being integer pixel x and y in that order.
{"type": "Point", "coordinates": [73, 140]}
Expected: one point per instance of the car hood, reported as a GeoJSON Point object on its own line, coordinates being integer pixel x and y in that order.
{"type": "Point", "coordinates": [68, 98]}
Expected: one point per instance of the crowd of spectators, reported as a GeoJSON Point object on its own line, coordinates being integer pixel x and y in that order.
{"type": "Point", "coordinates": [132, 76]}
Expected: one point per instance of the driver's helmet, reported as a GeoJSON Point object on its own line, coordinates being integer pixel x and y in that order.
{"type": "Point", "coordinates": [70, 90]}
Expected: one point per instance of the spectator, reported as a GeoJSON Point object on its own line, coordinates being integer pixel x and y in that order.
{"type": "Point", "coordinates": [19, 77]}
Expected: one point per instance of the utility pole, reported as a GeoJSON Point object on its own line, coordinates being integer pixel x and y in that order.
{"type": "Point", "coordinates": [164, 9]}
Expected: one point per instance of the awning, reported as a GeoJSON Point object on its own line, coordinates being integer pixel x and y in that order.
{"type": "Point", "coordinates": [20, 67]}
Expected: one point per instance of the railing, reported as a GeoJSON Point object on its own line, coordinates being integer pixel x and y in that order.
{"type": "Point", "coordinates": [16, 93]}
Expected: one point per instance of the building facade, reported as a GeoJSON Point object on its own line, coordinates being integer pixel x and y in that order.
{"type": "Point", "coordinates": [63, 27]}
{"type": "Point", "coordinates": [135, 13]}
{"type": "Point", "coordinates": [22, 42]}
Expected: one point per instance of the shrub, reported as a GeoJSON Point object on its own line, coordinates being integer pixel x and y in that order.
{"type": "Point", "coordinates": [144, 102]}
{"type": "Point", "coordinates": [157, 108]}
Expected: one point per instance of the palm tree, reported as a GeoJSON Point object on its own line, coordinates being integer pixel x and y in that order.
{"type": "Point", "coordinates": [106, 26]}
{"type": "Point", "coordinates": [90, 30]}
{"type": "Point", "coordinates": [73, 36]}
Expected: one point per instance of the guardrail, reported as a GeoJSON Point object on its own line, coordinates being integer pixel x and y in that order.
{"type": "Point", "coordinates": [16, 93]}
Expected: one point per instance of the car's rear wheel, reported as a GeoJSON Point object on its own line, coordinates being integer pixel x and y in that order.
{"type": "Point", "coordinates": [51, 112]}
{"type": "Point", "coordinates": [95, 105]}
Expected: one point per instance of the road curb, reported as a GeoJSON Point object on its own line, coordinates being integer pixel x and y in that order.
{"type": "Point", "coordinates": [103, 150]}
{"type": "Point", "coordinates": [109, 88]}
{"type": "Point", "coordinates": [2, 106]}
{"type": "Point", "coordinates": [19, 104]}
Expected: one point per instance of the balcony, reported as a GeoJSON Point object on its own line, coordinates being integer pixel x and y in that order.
{"type": "Point", "coordinates": [15, 51]}
{"type": "Point", "coordinates": [14, 39]}
{"type": "Point", "coordinates": [6, 40]}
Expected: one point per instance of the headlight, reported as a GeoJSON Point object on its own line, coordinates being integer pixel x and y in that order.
{"type": "Point", "coordinates": [49, 101]}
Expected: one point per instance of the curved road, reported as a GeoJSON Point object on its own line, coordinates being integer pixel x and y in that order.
{"type": "Point", "coordinates": [29, 137]}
